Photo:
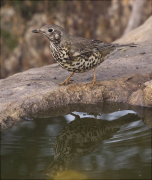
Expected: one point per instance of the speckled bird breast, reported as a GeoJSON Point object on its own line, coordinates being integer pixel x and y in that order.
{"type": "Point", "coordinates": [76, 64]}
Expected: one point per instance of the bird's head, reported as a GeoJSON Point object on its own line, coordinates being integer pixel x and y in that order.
{"type": "Point", "coordinates": [53, 32]}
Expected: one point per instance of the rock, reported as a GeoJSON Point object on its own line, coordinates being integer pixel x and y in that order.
{"type": "Point", "coordinates": [36, 90]}
{"type": "Point", "coordinates": [139, 34]}
{"type": "Point", "coordinates": [142, 96]}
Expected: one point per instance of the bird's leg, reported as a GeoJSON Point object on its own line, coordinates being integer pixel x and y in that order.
{"type": "Point", "coordinates": [94, 79]}
{"type": "Point", "coordinates": [66, 81]}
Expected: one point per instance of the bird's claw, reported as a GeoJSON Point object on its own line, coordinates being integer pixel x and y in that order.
{"type": "Point", "coordinates": [92, 83]}
{"type": "Point", "coordinates": [66, 82]}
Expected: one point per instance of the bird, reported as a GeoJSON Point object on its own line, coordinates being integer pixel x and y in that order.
{"type": "Point", "coordinates": [76, 54]}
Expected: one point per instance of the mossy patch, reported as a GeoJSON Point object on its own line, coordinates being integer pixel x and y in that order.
{"type": "Point", "coordinates": [9, 39]}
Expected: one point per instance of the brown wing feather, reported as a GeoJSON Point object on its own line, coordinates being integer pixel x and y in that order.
{"type": "Point", "coordinates": [85, 47]}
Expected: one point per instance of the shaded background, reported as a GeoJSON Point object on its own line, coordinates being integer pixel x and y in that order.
{"type": "Point", "coordinates": [102, 20]}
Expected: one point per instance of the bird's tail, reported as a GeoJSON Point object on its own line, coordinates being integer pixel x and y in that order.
{"type": "Point", "coordinates": [123, 45]}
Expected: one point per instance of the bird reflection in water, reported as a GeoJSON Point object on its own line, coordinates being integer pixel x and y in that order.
{"type": "Point", "coordinates": [79, 138]}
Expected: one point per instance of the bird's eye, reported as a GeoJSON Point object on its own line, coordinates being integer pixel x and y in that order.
{"type": "Point", "coordinates": [50, 30]}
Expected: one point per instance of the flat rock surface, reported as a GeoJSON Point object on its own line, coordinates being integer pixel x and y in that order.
{"type": "Point", "coordinates": [126, 76]}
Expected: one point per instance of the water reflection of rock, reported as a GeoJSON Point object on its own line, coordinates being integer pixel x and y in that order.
{"type": "Point", "coordinates": [105, 107]}
{"type": "Point", "coordinates": [80, 137]}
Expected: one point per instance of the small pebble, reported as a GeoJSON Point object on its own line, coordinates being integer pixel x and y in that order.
{"type": "Point", "coordinates": [90, 78]}
{"type": "Point", "coordinates": [54, 78]}
{"type": "Point", "coordinates": [28, 84]}
{"type": "Point", "coordinates": [142, 53]}
{"type": "Point", "coordinates": [123, 50]}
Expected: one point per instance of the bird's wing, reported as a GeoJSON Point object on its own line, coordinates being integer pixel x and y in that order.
{"type": "Point", "coordinates": [86, 47]}
{"type": "Point", "coordinates": [80, 47]}
{"type": "Point", "coordinates": [105, 48]}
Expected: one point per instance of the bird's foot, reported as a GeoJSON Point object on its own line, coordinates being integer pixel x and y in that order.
{"type": "Point", "coordinates": [66, 82]}
{"type": "Point", "coordinates": [92, 83]}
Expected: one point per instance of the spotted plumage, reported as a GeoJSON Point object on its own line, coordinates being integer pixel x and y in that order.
{"type": "Point", "coordinates": [76, 54]}
{"type": "Point", "coordinates": [80, 137]}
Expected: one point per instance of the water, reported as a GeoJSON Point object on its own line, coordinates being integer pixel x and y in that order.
{"type": "Point", "coordinates": [90, 144]}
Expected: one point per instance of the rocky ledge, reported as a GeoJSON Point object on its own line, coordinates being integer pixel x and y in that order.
{"type": "Point", "coordinates": [126, 76]}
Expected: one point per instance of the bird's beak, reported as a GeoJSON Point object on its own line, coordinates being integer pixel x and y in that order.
{"type": "Point", "coordinates": [37, 31]}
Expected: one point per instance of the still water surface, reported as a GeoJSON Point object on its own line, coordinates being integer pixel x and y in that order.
{"type": "Point", "coordinates": [78, 146]}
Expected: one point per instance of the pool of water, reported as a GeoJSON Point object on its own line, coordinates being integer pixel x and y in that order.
{"type": "Point", "coordinates": [78, 145]}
